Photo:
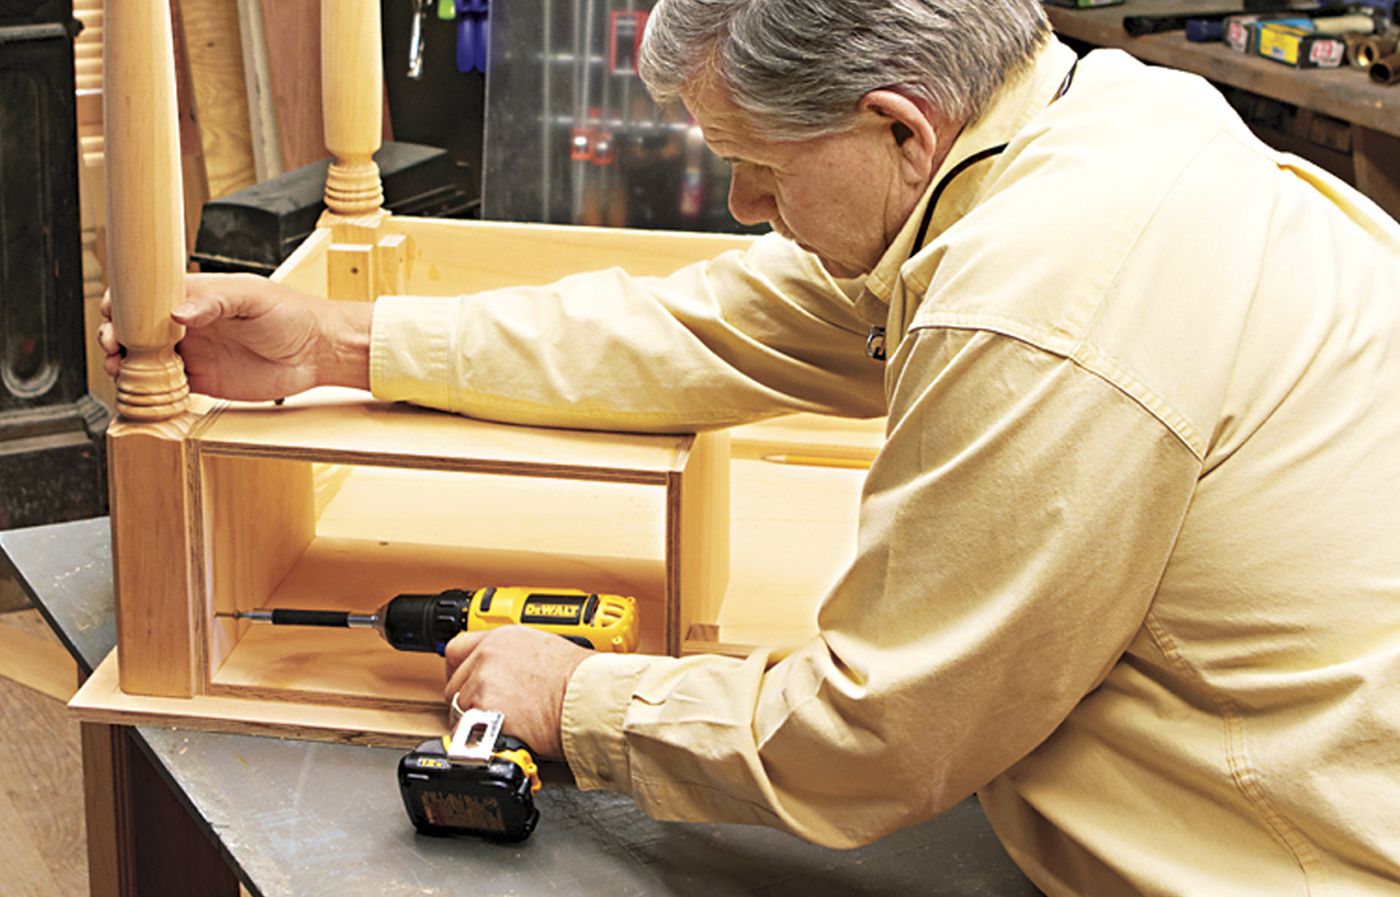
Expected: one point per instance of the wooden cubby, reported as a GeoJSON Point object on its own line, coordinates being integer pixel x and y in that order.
{"type": "Point", "coordinates": [335, 499]}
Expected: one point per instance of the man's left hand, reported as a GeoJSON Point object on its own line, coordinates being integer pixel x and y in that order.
{"type": "Point", "coordinates": [520, 672]}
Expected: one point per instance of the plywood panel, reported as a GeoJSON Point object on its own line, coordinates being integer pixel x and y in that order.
{"type": "Point", "coordinates": [101, 700]}
{"type": "Point", "coordinates": [453, 257]}
{"type": "Point", "coordinates": [307, 269]}
{"type": "Point", "coordinates": [355, 668]}
{"type": "Point", "coordinates": [792, 535]}
{"type": "Point", "coordinates": [292, 35]}
{"type": "Point", "coordinates": [258, 516]}
{"type": "Point", "coordinates": [699, 531]}
{"type": "Point", "coordinates": [497, 513]}
{"type": "Point", "coordinates": [345, 425]}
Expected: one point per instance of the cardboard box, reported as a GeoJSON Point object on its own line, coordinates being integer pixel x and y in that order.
{"type": "Point", "coordinates": [1300, 47]}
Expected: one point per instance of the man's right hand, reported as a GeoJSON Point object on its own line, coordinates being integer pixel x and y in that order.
{"type": "Point", "coordinates": [251, 339]}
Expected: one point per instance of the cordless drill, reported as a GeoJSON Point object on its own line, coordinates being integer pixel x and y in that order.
{"type": "Point", "coordinates": [412, 622]}
{"type": "Point", "coordinates": [477, 781]}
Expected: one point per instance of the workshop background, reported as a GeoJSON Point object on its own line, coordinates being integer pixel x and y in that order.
{"type": "Point", "coordinates": [566, 134]}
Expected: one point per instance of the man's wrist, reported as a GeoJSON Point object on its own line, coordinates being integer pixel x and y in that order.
{"type": "Point", "coordinates": [343, 355]}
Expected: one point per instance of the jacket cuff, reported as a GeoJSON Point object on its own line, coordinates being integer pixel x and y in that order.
{"type": "Point", "coordinates": [595, 706]}
{"type": "Point", "coordinates": [410, 349]}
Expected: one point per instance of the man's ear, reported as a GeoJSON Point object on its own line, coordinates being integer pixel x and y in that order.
{"type": "Point", "coordinates": [910, 130]}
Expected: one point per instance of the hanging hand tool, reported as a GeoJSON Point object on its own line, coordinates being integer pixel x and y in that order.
{"type": "Point", "coordinates": [416, 39]}
{"type": "Point", "coordinates": [473, 35]}
{"type": "Point", "coordinates": [428, 622]}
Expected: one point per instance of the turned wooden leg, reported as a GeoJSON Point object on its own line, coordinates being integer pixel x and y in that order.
{"type": "Point", "coordinates": [352, 103]}
{"type": "Point", "coordinates": [145, 216]}
{"type": "Point", "coordinates": [146, 269]}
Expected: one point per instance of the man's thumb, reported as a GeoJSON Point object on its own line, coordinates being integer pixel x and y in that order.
{"type": "Point", "coordinates": [196, 312]}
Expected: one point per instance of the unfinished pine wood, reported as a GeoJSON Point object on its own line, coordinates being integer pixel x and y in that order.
{"type": "Point", "coordinates": [101, 700]}
{"type": "Point", "coordinates": [449, 257]}
{"type": "Point", "coordinates": [350, 272]}
{"type": "Point", "coordinates": [258, 516]}
{"type": "Point", "coordinates": [697, 537]}
{"type": "Point", "coordinates": [532, 515]}
{"type": "Point", "coordinates": [352, 102]}
{"type": "Point", "coordinates": [812, 436]}
{"type": "Point", "coordinates": [355, 667]}
{"type": "Point", "coordinates": [390, 265]}
{"type": "Point", "coordinates": [308, 268]}
{"type": "Point", "coordinates": [92, 203]}
{"type": "Point", "coordinates": [346, 426]}
{"type": "Point", "coordinates": [216, 72]}
{"type": "Point", "coordinates": [144, 208]}
{"type": "Point", "coordinates": [40, 664]}
{"type": "Point", "coordinates": [262, 114]}
{"type": "Point", "coordinates": [151, 555]}
{"type": "Point", "coordinates": [792, 535]}
{"type": "Point", "coordinates": [87, 46]}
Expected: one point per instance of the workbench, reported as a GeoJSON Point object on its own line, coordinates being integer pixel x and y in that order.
{"type": "Point", "coordinates": [300, 819]}
{"type": "Point", "coordinates": [1371, 110]}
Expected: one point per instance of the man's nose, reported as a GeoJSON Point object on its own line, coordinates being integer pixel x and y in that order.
{"type": "Point", "coordinates": [749, 201]}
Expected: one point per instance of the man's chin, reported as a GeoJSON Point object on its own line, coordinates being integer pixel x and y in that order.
{"type": "Point", "coordinates": [832, 267]}
{"type": "Point", "coordinates": [836, 269]}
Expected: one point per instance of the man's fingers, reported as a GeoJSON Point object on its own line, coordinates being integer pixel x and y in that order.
{"type": "Point", "coordinates": [462, 644]}
{"type": "Point", "coordinates": [112, 364]}
{"type": "Point", "coordinates": [461, 682]}
{"type": "Point", "coordinates": [107, 339]}
{"type": "Point", "coordinates": [105, 306]}
{"type": "Point", "coordinates": [457, 656]}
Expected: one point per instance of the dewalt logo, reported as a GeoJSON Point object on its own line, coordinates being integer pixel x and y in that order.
{"type": "Point", "coordinates": [553, 610]}
{"type": "Point", "coordinates": [557, 609]}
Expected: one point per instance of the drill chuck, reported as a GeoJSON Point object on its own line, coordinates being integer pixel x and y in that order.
{"type": "Point", "coordinates": [424, 622]}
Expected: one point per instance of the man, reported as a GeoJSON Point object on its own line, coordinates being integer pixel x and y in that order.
{"type": "Point", "coordinates": [1126, 564]}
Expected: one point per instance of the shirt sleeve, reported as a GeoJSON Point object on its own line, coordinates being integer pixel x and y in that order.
{"type": "Point", "coordinates": [1012, 534]}
{"type": "Point", "coordinates": [744, 336]}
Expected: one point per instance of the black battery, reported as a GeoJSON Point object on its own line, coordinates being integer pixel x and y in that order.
{"type": "Point", "coordinates": [493, 800]}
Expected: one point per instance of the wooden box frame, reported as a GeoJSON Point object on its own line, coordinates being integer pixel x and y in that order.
{"type": "Point", "coordinates": [219, 506]}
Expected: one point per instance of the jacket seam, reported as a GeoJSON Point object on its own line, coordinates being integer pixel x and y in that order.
{"type": "Point", "coordinates": [1247, 778]}
{"type": "Point", "coordinates": [1097, 364]}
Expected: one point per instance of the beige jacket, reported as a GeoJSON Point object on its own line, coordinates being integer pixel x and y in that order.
{"type": "Point", "coordinates": [1128, 564]}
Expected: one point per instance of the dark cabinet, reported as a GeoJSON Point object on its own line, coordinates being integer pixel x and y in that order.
{"type": "Point", "coordinates": [52, 464]}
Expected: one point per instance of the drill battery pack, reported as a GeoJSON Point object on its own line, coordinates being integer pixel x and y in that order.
{"type": "Point", "coordinates": [492, 799]}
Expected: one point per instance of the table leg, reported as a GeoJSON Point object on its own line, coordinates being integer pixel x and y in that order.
{"type": "Point", "coordinates": [125, 795]}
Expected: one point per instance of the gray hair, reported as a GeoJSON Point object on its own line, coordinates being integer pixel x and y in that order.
{"type": "Point", "coordinates": [801, 66]}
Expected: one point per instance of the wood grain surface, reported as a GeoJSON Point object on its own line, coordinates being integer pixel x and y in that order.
{"type": "Point", "coordinates": [101, 700]}
{"type": "Point", "coordinates": [216, 71]}
{"type": "Point", "coordinates": [292, 32]}
{"type": "Point", "coordinates": [348, 426]}
{"type": "Point", "coordinates": [448, 257]}
{"type": "Point", "coordinates": [41, 788]}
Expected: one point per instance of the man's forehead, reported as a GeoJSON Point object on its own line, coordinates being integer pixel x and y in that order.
{"type": "Point", "coordinates": [721, 120]}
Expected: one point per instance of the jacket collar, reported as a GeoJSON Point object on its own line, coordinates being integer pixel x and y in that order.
{"type": "Point", "coordinates": [1025, 94]}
